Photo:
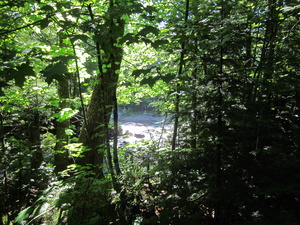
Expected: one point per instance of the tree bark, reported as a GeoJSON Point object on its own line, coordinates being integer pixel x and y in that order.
{"type": "Point", "coordinates": [180, 70]}
{"type": "Point", "coordinates": [63, 91]}
{"type": "Point", "coordinates": [116, 132]}
{"type": "Point", "coordinates": [35, 141]}
{"type": "Point", "coordinates": [4, 180]}
{"type": "Point", "coordinates": [61, 153]}
{"type": "Point", "coordinates": [94, 131]}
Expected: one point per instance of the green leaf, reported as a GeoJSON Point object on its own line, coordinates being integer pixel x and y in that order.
{"type": "Point", "coordinates": [147, 30]}
{"type": "Point", "coordinates": [26, 70]}
{"type": "Point", "coordinates": [94, 220]}
{"type": "Point", "coordinates": [157, 43]}
{"type": "Point", "coordinates": [38, 210]}
{"type": "Point", "coordinates": [287, 8]}
{"type": "Point", "coordinates": [130, 38]}
{"type": "Point", "coordinates": [19, 74]}
{"type": "Point", "coordinates": [23, 215]}
{"type": "Point", "coordinates": [150, 81]}
{"type": "Point", "coordinates": [137, 73]}
{"type": "Point", "coordinates": [147, 40]}
{"type": "Point", "coordinates": [44, 23]}
{"type": "Point", "coordinates": [168, 77]}
{"type": "Point", "coordinates": [76, 12]}
{"type": "Point", "coordinates": [98, 38]}
{"type": "Point", "coordinates": [3, 84]}
{"type": "Point", "coordinates": [66, 24]}
{"type": "Point", "coordinates": [82, 37]}
{"type": "Point", "coordinates": [59, 6]}
{"type": "Point", "coordinates": [150, 9]}
{"type": "Point", "coordinates": [47, 8]}
{"type": "Point", "coordinates": [65, 114]}
{"type": "Point", "coordinates": [64, 58]}
{"type": "Point", "coordinates": [1, 92]}
{"type": "Point", "coordinates": [19, 79]}
{"type": "Point", "coordinates": [59, 68]}
{"type": "Point", "coordinates": [57, 72]}
{"type": "Point", "coordinates": [107, 48]}
{"type": "Point", "coordinates": [64, 199]}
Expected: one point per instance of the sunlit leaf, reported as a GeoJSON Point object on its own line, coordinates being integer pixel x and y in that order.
{"type": "Point", "coordinates": [65, 114]}
{"type": "Point", "coordinates": [24, 214]}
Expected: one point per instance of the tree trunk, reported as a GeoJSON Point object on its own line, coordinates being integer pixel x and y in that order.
{"type": "Point", "coordinates": [219, 214]}
{"type": "Point", "coordinates": [264, 97]}
{"type": "Point", "coordinates": [94, 131]}
{"type": "Point", "coordinates": [4, 163]}
{"type": "Point", "coordinates": [35, 142]}
{"type": "Point", "coordinates": [180, 70]}
{"type": "Point", "coordinates": [61, 153]}
{"type": "Point", "coordinates": [116, 132]}
{"type": "Point", "coordinates": [38, 183]}
{"type": "Point", "coordinates": [63, 91]}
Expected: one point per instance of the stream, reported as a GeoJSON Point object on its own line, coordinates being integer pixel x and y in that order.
{"type": "Point", "coordinates": [144, 127]}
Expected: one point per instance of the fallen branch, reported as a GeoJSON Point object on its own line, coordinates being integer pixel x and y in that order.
{"type": "Point", "coordinates": [38, 216]}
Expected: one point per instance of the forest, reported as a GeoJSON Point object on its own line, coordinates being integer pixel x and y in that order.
{"type": "Point", "coordinates": [224, 73]}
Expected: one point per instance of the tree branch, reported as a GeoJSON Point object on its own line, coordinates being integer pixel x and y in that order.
{"type": "Point", "coordinates": [20, 28]}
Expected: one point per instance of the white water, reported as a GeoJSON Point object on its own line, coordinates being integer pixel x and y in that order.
{"type": "Point", "coordinates": [144, 127]}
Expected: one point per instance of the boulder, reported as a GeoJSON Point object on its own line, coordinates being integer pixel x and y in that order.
{"type": "Point", "coordinates": [139, 135]}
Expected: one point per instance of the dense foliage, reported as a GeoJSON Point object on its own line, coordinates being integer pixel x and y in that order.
{"type": "Point", "coordinates": [226, 73]}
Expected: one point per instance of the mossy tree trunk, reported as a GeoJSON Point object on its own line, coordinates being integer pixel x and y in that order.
{"type": "Point", "coordinates": [94, 132]}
